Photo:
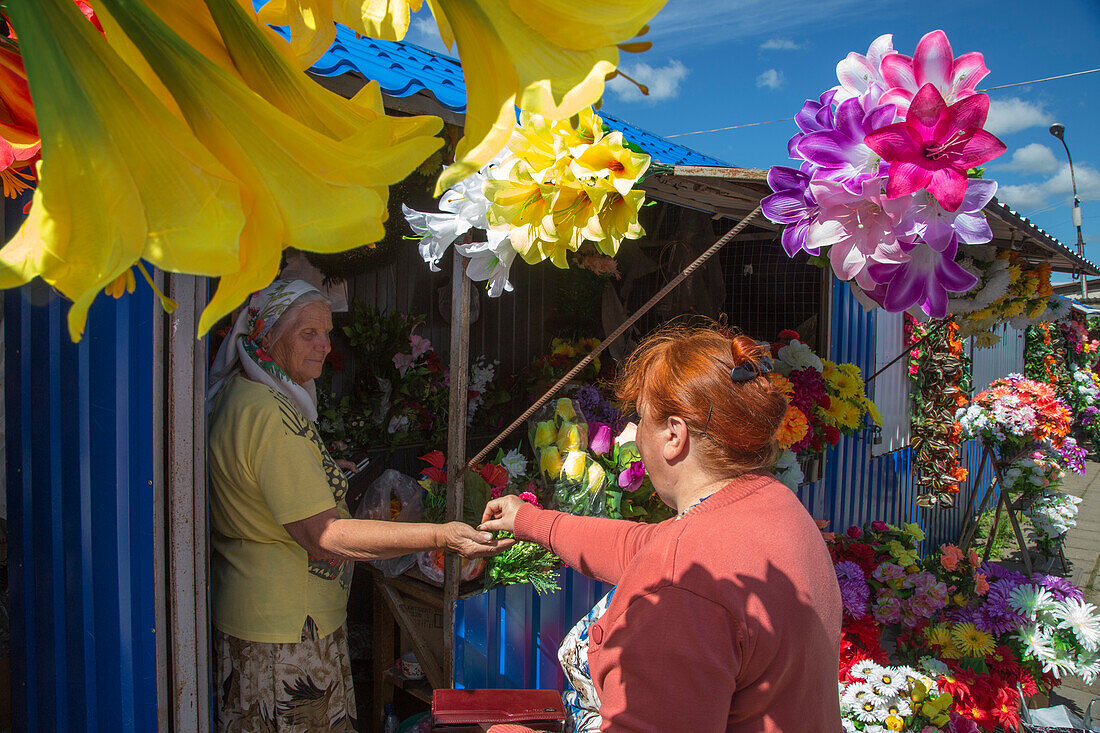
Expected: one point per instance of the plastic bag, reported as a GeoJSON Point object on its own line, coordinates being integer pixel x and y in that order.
{"type": "Point", "coordinates": [393, 496]}
{"type": "Point", "coordinates": [431, 564]}
{"type": "Point", "coordinates": [559, 436]}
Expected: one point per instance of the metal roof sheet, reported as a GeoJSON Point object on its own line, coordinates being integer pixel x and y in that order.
{"type": "Point", "coordinates": [403, 69]}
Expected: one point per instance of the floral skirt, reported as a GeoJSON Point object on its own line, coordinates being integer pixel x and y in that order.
{"type": "Point", "coordinates": [582, 702]}
{"type": "Point", "coordinates": [284, 688]}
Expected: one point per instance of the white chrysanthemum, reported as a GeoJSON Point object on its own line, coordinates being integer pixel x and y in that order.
{"type": "Point", "coordinates": [887, 681]}
{"type": "Point", "coordinates": [1080, 618]}
{"type": "Point", "coordinates": [797, 355]}
{"type": "Point", "coordinates": [1088, 670]}
{"type": "Point", "coordinates": [1031, 600]}
{"type": "Point", "coordinates": [1037, 641]}
{"type": "Point", "coordinates": [849, 726]}
{"type": "Point", "coordinates": [1059, 663]}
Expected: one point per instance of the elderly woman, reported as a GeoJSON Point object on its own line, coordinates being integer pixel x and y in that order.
{"type": "Point", "coordinates": [726, 617]}
{"type": "Point", "coordinates": [282, 535]}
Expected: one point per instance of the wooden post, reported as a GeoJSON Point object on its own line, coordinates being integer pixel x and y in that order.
{"type": "Point", "coordinates": [970, 527]}
{"type": "Point", "coordinates": [1012, 520]}
{"type": "Point", "coordinates": [456, 446]}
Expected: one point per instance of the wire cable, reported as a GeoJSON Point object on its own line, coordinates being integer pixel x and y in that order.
{"type": "Point", "coordinates": [788, 119]}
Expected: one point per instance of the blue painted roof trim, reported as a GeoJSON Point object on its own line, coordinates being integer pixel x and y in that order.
{"type": "Point", "coordinates": [403, 69]}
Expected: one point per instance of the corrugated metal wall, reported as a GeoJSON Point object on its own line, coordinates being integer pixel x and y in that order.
{"type": "Point", "coordinates": [80, 427]}
{"type": "Point", "coordinates": [996, 361]}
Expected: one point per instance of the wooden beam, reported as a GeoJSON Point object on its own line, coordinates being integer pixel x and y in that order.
{"type": "Point", "coordinates": [456, 444]}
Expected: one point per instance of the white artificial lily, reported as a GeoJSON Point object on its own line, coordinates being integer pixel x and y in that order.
{"type": "Point", "coordinates": [859, 74]}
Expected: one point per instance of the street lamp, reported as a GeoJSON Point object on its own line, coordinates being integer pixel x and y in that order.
{"type": "Point", "coordinates": [1058, 130]}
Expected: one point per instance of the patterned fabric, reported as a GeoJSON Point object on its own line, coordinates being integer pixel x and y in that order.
{"type": "Point", "coordinates": [582, 704]}
{"type": "Point", "coordinates": [241, 350]}
{"type": "Point", "coordinates": [303, 687]}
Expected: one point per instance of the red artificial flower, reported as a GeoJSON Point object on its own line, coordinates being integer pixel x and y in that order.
{"type": "Point", "coordinates": [335, 361]}
{"type": "Point", "coordinates": [787, 335]}
{"type": "Point", "coordinates": [435, 474]}
{"type": "Point", "coordinates": [493, 474]}
{"type": "Point", "coordinates": [832, 435]}
{"type": "Point", "coordinates": [854, 532]}
{"type": "Point", "coordinates": [435, 458]}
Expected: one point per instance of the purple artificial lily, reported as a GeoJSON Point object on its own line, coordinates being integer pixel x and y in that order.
{"type": "Point", "coordinates": [858, 229]}
{"type": "Point", "coordinates": [924, 279]}
{"type": "Point", "coordinates": [792, 204]}
{"type": "Point", "coordinates": [632, 477]}
{"type": "Point", "coordinates": [937, 227]}
{"type": "Point", "coordinates": [840, 153]}
{"type": "Point", "coordinates": [935, 145]}
{"type": "Point", "coordinates": [601, 438]}
{"type": "Point", "coordinates": [813, 117]}
{"type": "Point", "coordinates": [932, 63]}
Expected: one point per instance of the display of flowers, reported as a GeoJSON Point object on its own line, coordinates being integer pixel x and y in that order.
{"type": "Point", "coordinates": [557, 186]}
{"type": "Point", "coordinates": [979, 632]}
{"type": "Point", "coordinates": [1063, 634]}
{"type": "Point", "coordinates": [1016, 413]}
{"type": "Point", "coordinates": [1081, 348]}
{"type": "Point", "coordinates": [1052, 515]}
{"type": "Point", "coordinates": [1033, 475]}
{"type": "Point", "coordinates": [1009, 289]}
{"type": "Point", "coordinates": [882, 190]}
{"type": "Point", "coordinates": [825, 400]}
{"type": "Point", "coordinates": [893, 698]}
{"type": "Point", "coordinates": [939, 371]}
{"type": "Point", "coordinates": [1042, 360]}
{"type": "Point", "coordinates": [1083, 391]}
{"type": "Point", "coordinates": [559, 435]}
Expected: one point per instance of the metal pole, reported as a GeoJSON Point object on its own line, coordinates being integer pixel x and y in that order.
{"type": "Point", "coordinates": [1076, 217]}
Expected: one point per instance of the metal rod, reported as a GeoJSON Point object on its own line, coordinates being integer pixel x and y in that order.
{"type": "Point", "coordinates": [611, 338]}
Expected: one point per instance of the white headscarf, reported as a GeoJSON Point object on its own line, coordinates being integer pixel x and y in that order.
{"type": "Point", "coordinates": [241, 350]}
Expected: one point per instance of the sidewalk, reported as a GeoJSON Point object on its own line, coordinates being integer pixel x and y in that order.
{"type": "Point", "coordinates": [1083, 552]}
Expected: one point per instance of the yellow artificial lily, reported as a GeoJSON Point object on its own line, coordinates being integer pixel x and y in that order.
{"type": "Point", "coordinates": [618, 220]}
{"type": "Point", "coordinates": [517, 198]}
{"type": "Point", "coordinates": [575, 465]}
{"type": "Point", "coordinates": [609, 159]}
{"type": "Point", "coordinates": [303, 188]}
{"type": "Point", "coordinates": [121, 179]}
{"type": "Point", "coordinates": [544, 56]}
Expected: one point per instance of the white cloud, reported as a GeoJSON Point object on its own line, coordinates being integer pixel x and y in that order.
{"type": "Point", "coordinates": [1053, 190]}
{"type": "Point", "coordinates": [1007, 116]}
{"type": "Point", "coordinates": [663, 82]}
{"type": "Point", "coordinates": [691, 24]}
{"type": "Point", "coordinates": [1033, 158]}
{"type": "Point", "coordinates": [423, 32]}
{"type": "Point", "coordinates": [779, 44]}
{"type": "Point", "coordinates": [772, 79]}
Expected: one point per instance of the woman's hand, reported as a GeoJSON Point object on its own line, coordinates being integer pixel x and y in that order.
{"type": "Point", "coordinates": [466, 541]}
{"type": "Point", "coordinates": [500, 514]}
{"type": "Point", "coordinates": [346, 466]}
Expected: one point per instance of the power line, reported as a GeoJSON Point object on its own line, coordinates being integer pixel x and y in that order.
{"type": "Point", "coordinates": [788, 119]}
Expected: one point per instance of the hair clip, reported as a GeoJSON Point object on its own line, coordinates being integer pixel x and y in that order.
{"type": "Point", "coordinates": [747, 370]}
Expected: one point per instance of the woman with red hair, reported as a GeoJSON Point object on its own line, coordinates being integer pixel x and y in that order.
{"type": "Point", "coordinates": [726, 617]}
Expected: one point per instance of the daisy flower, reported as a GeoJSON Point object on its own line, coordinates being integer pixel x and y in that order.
{"type": "Point", "coordinates": [887, 681]}
{"type": "Point", "coordinates": [857, 694]}
{"type": "Point", "coordinates": [1090, 671]}
{"type": "Point", "coordinates": [1037, 641]}
{"type": "Point", "coordinates": [970, 641]}
{"type": "Point", "coordinates": [865, 670]}
{"type": "Point", "coordinates": [1080, 618]}
{"type": "Point", "coordinates": [868, 711]}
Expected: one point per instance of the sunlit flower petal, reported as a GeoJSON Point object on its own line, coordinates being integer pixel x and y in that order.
{"type": "Point", "coordinates": [106, 199]}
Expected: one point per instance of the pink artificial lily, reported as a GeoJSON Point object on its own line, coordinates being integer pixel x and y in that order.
{"type": "Point", "coordinates": [932, 63]}
{"type": "Point", "coordinates": [858, 229]}
{"type": "Point", "coordinates": [935, 145]}
{"type": "Point", "coordinates": [859, 75]}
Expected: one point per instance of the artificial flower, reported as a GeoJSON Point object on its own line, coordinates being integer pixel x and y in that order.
{"type": "Point", "coordinates": [840, 154]}
{"type": "Point", "coordinates": [159, 195]}
{"type": "Point", "coordinates": [938, 228]}
{"type": "Point", "coordinates": [861, 75]}
{"type": "Point", "coordinates": [935, 146]}
{"type": "Point", "coordinates": [924, 279]}
{"type": "Point", "coordinates": [575, 465]}
{"type": "Point", "coordinates": [19, 140]}
{"type": "Point", "coordinates": [792, 204]}
{"type": "Point", "coordinates": [549, 57]}
{"type": "Point", "coordinates": [932, 63]}
{"type": "Point", "coordinates": [601, 439]}
{"type": "Point", "coordinates": [630, 479]}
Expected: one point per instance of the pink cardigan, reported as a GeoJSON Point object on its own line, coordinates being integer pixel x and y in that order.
{"type": "Point", "coordinates": [725, 620]}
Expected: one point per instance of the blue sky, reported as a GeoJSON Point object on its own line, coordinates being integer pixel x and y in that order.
{"type": "Point", "coordinates": [731, 62]}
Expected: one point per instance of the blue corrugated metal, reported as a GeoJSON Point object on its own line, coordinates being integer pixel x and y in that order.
{"type": "Point", "coordinates": [79, 433]}
{"type": "Point", "coordinates": [402, 69]}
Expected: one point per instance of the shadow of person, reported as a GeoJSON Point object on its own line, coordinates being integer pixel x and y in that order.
{"type": "Point", "coordinates": [758, 645]}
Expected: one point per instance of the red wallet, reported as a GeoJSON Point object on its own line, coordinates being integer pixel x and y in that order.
{"type": "Point", "coordinates": [462, 711]}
